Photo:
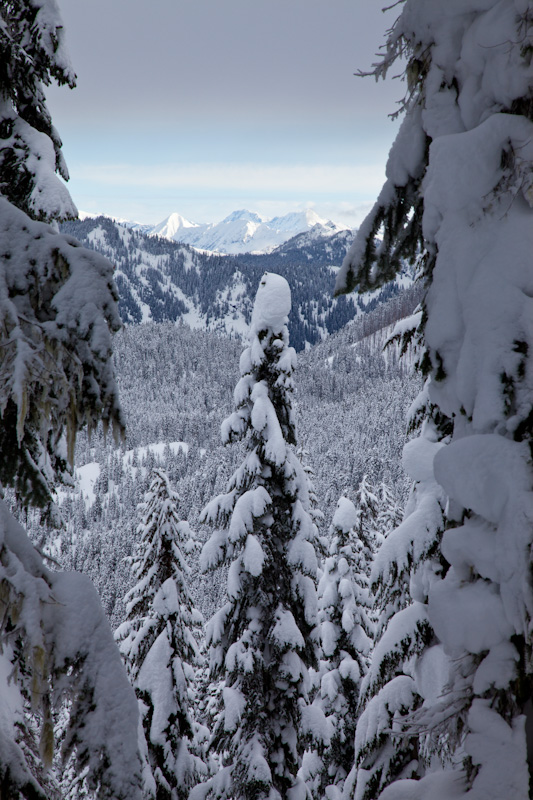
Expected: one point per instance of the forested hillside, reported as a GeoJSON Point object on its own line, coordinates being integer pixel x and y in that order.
{"type": "Point", "coordinates": [176, 387]}
{"type": "Point", "coordinates": [161, 280]}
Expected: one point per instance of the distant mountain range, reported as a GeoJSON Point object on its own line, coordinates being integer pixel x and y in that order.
{"type": "Point", "coordinates": [163, 280]}
{"type": "Point", "coordinates": [240, 232]}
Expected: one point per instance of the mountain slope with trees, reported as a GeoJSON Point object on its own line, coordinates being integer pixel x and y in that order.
{"type": "Point", "coordinates": [176, 386]}
{"type": "Point", "coordinates": [160, 280]}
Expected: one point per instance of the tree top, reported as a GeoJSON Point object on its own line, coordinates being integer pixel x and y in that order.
{"type": "Point", "coordinates": [272, 304]}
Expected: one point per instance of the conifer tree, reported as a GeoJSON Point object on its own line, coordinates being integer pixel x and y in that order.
{"type": "Point", "coordinates": [389, 512]}
{"type": "Point", "coordinates": [367, 505]}
{"type": "Point", "coordinates": [33, 52]}
{"type": "Point", "coordinates": [459, 198]}
{"type": "Point", "coordinates": [57, 309]}
{"type": "Point", "coordinates": [346, 634]}
{"type": "Point", "coordinates": [264, 640]}
{"type": "Point", "coordinates": [57, 300]}
{"type": "Point", "coordinates": [158, 643]}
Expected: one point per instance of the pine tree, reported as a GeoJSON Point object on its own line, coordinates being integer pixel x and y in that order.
{"type": "Point", "coordinates": [389, 695]}
{"type": "Point", "coordinates": [458, 197]}
{"type": "Point", "coordinates": [58, 300]}
{"type": "Point", "coordinates": [33, 53]}
{"type": "Point", "coordinates": [264, 640]}
{"type": "Point", "coordinates": [58, 308]}
{"type": "Point", "coordinates": [389, 512]}
{"type": "Point", "coordinates": [367, 505]}
{"type": "Point", "coordinates": [346, 634]}
{"type": "Point", "coordinates": [158, 643]}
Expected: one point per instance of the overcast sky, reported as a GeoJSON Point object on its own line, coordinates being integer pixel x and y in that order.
{"type": "Point", "coordinates": [207, 106]}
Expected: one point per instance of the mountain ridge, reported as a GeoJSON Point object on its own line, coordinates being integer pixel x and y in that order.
{"type": "Point", "coordinates": [240, 232]}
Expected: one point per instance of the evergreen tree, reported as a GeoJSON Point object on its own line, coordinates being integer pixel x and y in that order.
{"type": "Point", "coordinates": [458, 196]}
{"type": "Point", "coordinates": [367, 505]}
{"type": "Point", "coordinates": [57, 308]}
{"type": "Point", "coordinates": [346, 633]}
{"type": "Point", "coordinates": [389, 694]}
{"type": "Point", "coordinates": [264, 640]}
{"type": "Point", "coordinates": [159, 646]}
{"type": "Point", "coordinates": [389, 513]}
{"type": "Point", "coordinates": [32, 51]}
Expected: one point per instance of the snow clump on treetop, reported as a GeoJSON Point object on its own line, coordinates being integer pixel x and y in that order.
{"type": "Point", "coordinates": [272, 304]}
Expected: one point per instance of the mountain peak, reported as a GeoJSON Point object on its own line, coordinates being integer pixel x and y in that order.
{"type": "Point", "coordinates": [244, 231]}
{"type": "Point", "coordinates": [171, 227]}
{"type": "Point", "coordinates": [243, 215]}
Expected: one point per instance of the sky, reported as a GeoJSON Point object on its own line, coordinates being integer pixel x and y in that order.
{"type": "Point", "coordinates": [202, 107]}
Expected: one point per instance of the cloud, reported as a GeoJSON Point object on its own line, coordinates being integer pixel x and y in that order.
{"type": "Point", "coordinates": [305, 179]}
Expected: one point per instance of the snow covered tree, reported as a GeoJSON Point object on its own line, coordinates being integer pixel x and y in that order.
{"type": "Point", "coordinates": [58, 300]}
{"type": "Point", "coordinates": [57, 647]}
{"type": "Point", "coordinates": [388, 692]}
{"type": "Point", "coordinates": [346, 634]}
{"type": "Point", "coordinates": [389, 512]}
{"type": "Point", "coordinates": [32, 51]}
{"type": "Point", "coordinates": [158, 644]}
{"type": "Point", "coordinates": [57, 308]}
{"type": "Point", "coordinates": [459, 198]}
{"type": "Point", "coordinates": [367, 505]}
{"type": "Point", "coordinates": [265, 639]}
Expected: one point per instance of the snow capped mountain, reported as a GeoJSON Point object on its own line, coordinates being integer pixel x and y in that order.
{"type": "Point", "coordinates": [173, 226]}
{"type": "Point", "coordinates": [299, 221]}
{"type": "Point", "coordinates": [243, 214]}
{"type": "Point", "coordinates": [244, 231]}
{"type": "Point", "coordinates": [240, 232]}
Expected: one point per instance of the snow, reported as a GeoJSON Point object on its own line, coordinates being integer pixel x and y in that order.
{"type": "Point", "coordinates": [445, 785]}
{"type": "Point", "coordinates": [86, 476]}
{"type": "Point", "coordinates": [484, 623]}
{"type": "Point", "coordinates": [496, 303]}
{"type": "Point", "coordinates": [154, 677]}
{"type": "Point", "coordinates": [243, 231]}
{"type": "Point", "coordinates": [166, 600]}
{"type": "Point", "coordinates": [418, 456]}
{"type": "Point", "coordinates": [345, 516]}
{"type": "Point", "coordinates": [109, 723]}
{"type": "Point", "coordinates": [265, 421]}
{"type": "Point", "coordinates": [253, 556]}
{"type": "Point", "coordinates": [316, 724]}
{"type": "Point", "coordinates": [498, 668]}
{"type": "Point", "coordinates": [432, 674]}
{"type": "Point", "coordinates": [404, 628]}
{"type": "Point", "coordinates": [500, 751]}
{"type": "Point", "coordinates": [157, 449]}
{"type": "Point", "coordinates": [272, 304]}
{"type": "Point", "coordinates": [172, 226]}
{"type": "Point", "coordinates": [234, 703]}
{"type": "Point", "coordinates": [249, 506]}
{"type": "Point", "coordinates": [484, 473]}
{"type": "Point", "coordinates": [285, 631]}
{"type": "Point", "coordinates": [378, 713]}
{"type": "Point", "coordinates": [49, 195]}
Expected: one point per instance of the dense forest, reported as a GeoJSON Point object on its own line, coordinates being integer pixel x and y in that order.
{"type": "Point", "coordinates": [176, 387]}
